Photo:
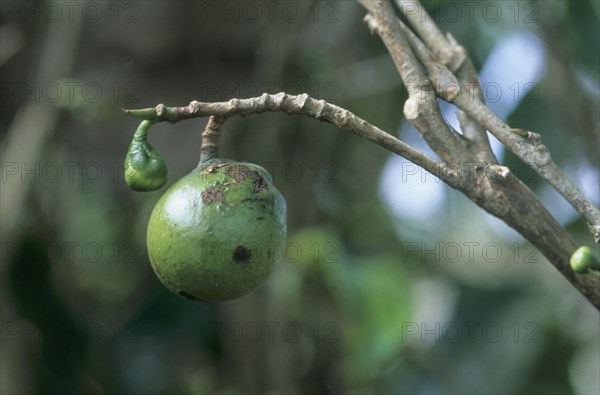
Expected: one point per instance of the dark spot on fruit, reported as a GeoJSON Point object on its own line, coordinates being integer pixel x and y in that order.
{"type": "Point", "coordinates": [260, 218]}
{"type": "Point", "coordinates": [187, 295]}
{"type": "Point", "coordinates": [250, 200]}
{"type": "Point", "coordinates": [259, 184]}
{"type": "Point", "coordinates": [241, 254]}
{"type": "Point", "coordinates": [212, 194]}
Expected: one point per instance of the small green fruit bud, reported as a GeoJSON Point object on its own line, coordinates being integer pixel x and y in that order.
{"type": "Point", "coordinates": [145, 167]}
{"type": "Point", "coordinates": [584, 259]}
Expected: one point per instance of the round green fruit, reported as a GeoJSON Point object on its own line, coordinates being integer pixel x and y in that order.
{"type": "Point", "coordinates": [218, 233]}
{"type": "Point", "coordinates": [584, 259]}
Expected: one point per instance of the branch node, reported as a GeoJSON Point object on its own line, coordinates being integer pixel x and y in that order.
{"type": "Point", "coordinates": [526, 134]}
{"type": "Point", "coordinates": [498, 173]}
{"type": "Point", "coordinates": [263, 100]}
{"type": "Point", "coordinates": [411, 108]}
{"type": "Point", "coordinates": [371, 23]}
{"type": "Point", "coordinates": [541, 155]}
{"type": "Point", "coordinates": [449, 91]}
{"type": "Point", "coordinates": [301, 100]}
{"type": "Point", "coordinates": [160, 110]}
{"type": "Point", "coordinates": [457, 54]}
{"type": "Point", "coordinates": [321, 104]}
{"type": "Point", "coordinates": [234, 103]}
{"type": "Point", "coordinates": [194, 106]}
{"type": "Point", "coordinates": [278, 99]}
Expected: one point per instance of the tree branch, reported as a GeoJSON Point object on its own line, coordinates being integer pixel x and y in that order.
{"type": "Point", "coordinates": [419, 18]}
{"type": "Point", "coordinates": [528, 147]}
{"type": "Point", "coordinates": [421, 108]}
{"type": "Point", "coordinates": [443, 80]}
{"type": "Point", "coordinates": [302, 105]}
{"type": "Point", "coordinates": [506, 197]}
{"type": "Point", "coordinates": [455, 57]}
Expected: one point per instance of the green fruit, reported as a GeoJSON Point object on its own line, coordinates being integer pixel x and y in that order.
{"type": "Point", "coordinates": [217, 233]}
{"type": "Point", "coordinates": [145, 168]}
{"type": "Point", "coordinates": [584, 259]}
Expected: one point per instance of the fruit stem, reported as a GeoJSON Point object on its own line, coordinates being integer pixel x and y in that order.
{"type": "Point", "coordinates": [142, 131]}
{"type": "Point", "coordinates": [210, 139]}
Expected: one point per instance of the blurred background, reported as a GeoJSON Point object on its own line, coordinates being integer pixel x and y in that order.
{"type": "Point", "coordinates": [391, 282]}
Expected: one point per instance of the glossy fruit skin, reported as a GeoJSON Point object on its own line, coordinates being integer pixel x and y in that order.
{"type": "Point", "coordinates": [219, 232]}
{"type": "Point", "coordinates": [583, 259]}
{"type": "Point", "coordinates": [145, 168]}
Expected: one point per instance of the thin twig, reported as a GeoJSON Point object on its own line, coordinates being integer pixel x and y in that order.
{"type": "Point", "coordinates": [532, 151]}
{"type": "Point", "coordinates": [467, 75]}
{"type": "Point", "coordinates": [443, 80]}
{"type": "Point", "coordinates": [419, 18]}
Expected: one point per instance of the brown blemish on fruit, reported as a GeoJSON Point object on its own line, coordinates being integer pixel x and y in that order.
{"type": "Point", "coordinates": [238, 173]}
{"type": "Point", "coordinates": [241, 173]}
{"type": "Point", "coordinates": [241, 254]}
{"type": "Point", "coordinates": [212, 194]}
